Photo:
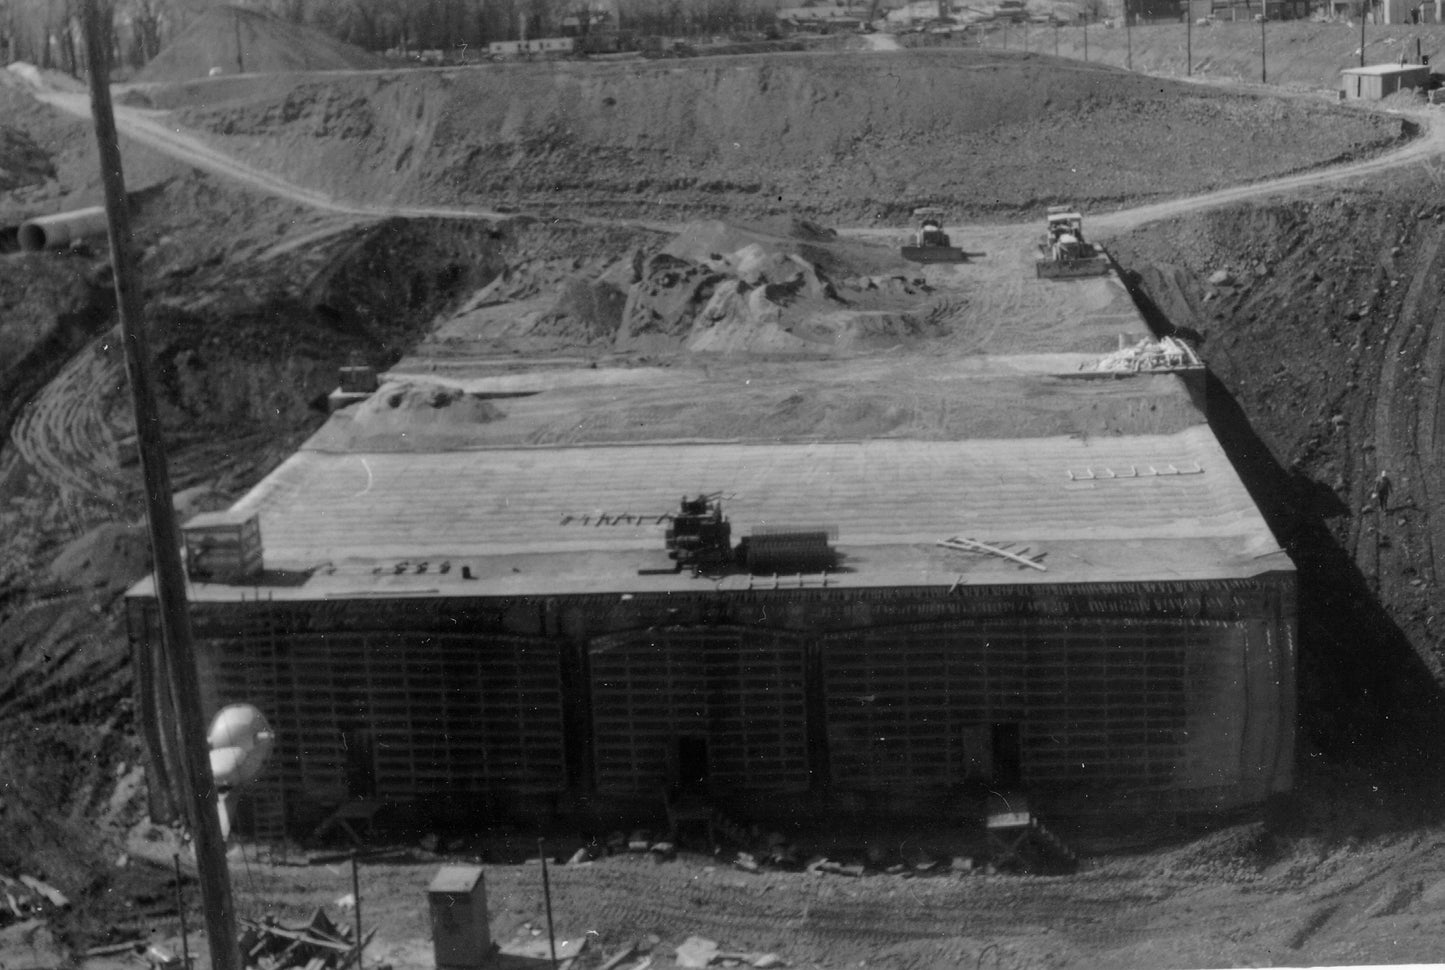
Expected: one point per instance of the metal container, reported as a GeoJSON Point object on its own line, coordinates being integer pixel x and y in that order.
{"type": "Point", "coordinates": [461, 935]}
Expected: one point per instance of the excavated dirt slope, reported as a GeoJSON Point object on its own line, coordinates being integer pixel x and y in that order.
{"type": "Point", "coordinates": [843, 136]}
{"type": "Point", "coordinates": [1323, 319]}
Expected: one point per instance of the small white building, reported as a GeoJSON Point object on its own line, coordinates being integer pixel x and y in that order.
{"type": "Point", "coordinates": [1375, 81]}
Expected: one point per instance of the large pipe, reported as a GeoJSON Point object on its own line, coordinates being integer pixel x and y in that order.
{"type": "Point", "coordinates": [62, 229]}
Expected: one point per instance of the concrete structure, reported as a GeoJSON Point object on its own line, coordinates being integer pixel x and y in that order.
{"type": "Point", "coordinates": [1376, 81]}
{"type": "Point", "coordinates": [1409, 11]}
{"type": "Point", "coordinates": [480, 623]}
{"type": "Point", "coordinates": [824, 17]}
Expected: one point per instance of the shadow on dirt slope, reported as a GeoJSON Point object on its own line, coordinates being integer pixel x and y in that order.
{"type": "Point", "coordinates": [1323, 333]}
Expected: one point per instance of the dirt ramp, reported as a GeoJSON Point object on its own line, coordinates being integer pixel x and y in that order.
{"type": "Point", "coordinates": [239, 40]}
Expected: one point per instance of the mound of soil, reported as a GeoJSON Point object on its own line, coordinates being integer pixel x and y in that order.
{"type": "Point", "coordinates": [713, 288]}
{"type": "Point", "coordinates": [402, 414]}
{"type": "Point", "coordinates": [397, 407]}
{"type": "Point", "coordinates": [828, 136]}
{"type": "Point", "coordinates": [22, 162]}
{"type": "Point", "coordinates": [241, 40]}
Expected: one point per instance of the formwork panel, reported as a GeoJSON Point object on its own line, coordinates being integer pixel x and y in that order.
{"type": "Point", "coordinates": [1095, 700]}
{"type": "Point", "coordinates": [397, 715]}
{"type": "Point", "coordinates": [740, 691]}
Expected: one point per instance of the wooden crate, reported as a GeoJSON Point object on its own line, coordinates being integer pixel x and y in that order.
{"type": "Point", "coordinates": [223, 547]}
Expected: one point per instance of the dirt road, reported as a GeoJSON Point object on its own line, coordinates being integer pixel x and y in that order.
{"type": "Point", "coordinates": [156, 130]}
{"type": "Point", "coordinates": [1427, 147]}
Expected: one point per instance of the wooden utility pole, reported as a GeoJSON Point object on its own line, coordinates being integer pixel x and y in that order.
{"type": "Point", "coordinates": [1128, 39]}
{"type": "Point", "coordinates": [170, 580]}
{"type": "Point", "coordinates": [240, 55]}
{"type": "Point", "coordinates": [1363, 5]}
{"type": "Point", "coordinates": [1188, 38]}
{"type": "Point", "coordinates": [1263, 77]}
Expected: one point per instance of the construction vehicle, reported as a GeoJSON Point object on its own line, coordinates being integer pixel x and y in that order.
{"type": "Point", "coordinates": [700, 537]}
{"type": "Point", "coordinates": [930, 243]}
{"type": "Point", "coordinates": [1064, 253]}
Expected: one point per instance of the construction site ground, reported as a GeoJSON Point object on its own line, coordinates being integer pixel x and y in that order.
{"type": "Point", "coordinates": [284, 229]}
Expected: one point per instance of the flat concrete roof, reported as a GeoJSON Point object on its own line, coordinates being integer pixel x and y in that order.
{"type": "Point", "coordinates": [1377, 70]}
{"type": "Point", "coordinates": [1143, 508]}
{"type": "Point", "coordinates": [503, 466]}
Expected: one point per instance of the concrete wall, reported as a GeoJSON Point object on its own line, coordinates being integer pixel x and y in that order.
{"type": "Point", "coordinates": [1088, 697]}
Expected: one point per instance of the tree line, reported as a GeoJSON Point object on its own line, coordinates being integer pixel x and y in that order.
{"type": "Point", "coordinates": [47, 32]}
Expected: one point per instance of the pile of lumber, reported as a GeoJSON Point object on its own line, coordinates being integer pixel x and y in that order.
{"type": "Point", "coordinates": [316, 945]}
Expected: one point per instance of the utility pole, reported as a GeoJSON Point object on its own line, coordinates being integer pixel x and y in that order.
{"type": "Point", "coordinates": [1263, 77]}
{"type": "Point", "coordinates": [1188, 38]}
{"type": "Point", "coordinates": [1128, 39]}
{"type": "Point", "coordinates": [1363, 5]}
{"type": "Point", "coordinates": [240, 56]}
{"type": "Point", "coordinates": [1086, 40]}
{"type": "Point", "coordinates": [170, 580]}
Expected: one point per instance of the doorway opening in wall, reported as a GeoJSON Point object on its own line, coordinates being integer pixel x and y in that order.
{"type": "Point", "coordinates": [360, 747]}
{"type": "Point", "coordinates": [1007, 749]}
{"type": "Point", "coordinates": [692, 765]}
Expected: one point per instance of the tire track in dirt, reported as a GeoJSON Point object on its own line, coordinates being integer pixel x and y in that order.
{"type": "Point", "coordinates": [64, 436]}
{"type": "Point", "coordinates": [1400, 400]}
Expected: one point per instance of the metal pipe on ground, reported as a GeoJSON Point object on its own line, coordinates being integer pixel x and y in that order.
{"type": "Point", "coordinates": [62, 230]}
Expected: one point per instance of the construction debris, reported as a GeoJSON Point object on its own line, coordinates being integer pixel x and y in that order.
{"type": "Point", "coordinates": [317, 945]}
{"type": "Point", "coordinates": [27, 898]}
{"type": "Point", "coordinates": [1164, 355]}
{"type": "Point", "coordinates": [1001, 549]}
{"type": "Point", "coordinates": [696, 951]}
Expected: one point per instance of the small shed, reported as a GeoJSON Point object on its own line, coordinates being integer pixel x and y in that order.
{"type": "Point", "coordinates": [1376, 81]}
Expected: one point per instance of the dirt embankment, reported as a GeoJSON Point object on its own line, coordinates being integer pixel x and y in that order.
{"type": "Point", "coordinates": [252, 306]}
{"type": "Point", "coordinates": [852, 138]}
{"type": "Point", "coordinates": [1323, 319]}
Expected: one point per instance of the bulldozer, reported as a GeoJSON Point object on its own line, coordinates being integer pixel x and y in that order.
{"type": "Point", "coordinates": [930, 243]}
{"type": "Point", "coordinates": [1064, 254]}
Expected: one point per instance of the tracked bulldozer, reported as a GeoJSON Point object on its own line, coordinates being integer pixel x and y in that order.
{"type": "Point", "coordinates": [1064, 254]}
{"type": "Point", "coordinates": [930, 243]}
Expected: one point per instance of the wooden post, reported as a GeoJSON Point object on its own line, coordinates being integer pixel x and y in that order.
{"type": "Point", "coordinates": [547, 895]}
{"type": "Point", "coordinates": [170, 579]}
{"type": "Point", "coordinates": [240, 55]}
{"type": "Point", "coordinates": [356, 898]}
{"type": "Point", "coordinates": [1188, 38]}
{"type": "Point", "coordinates": [1128, 39]}
{"type": "Point", "coordinates": [1363, 4]}
{"type": "Point", "coordinates": [1263, 77]}
{"type": "Point", "coordinates": [181, 912]}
